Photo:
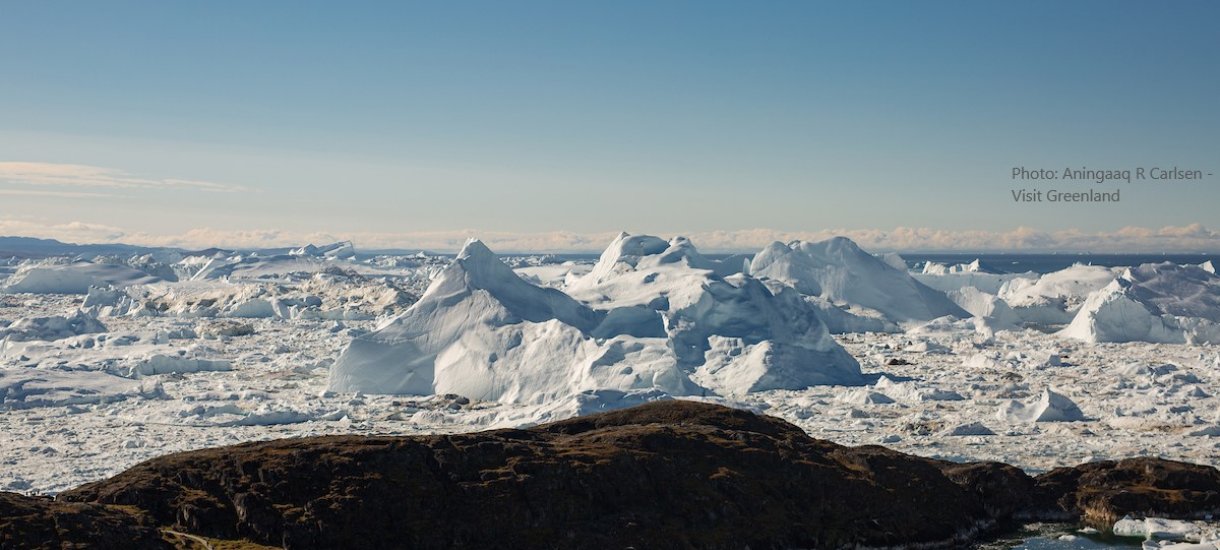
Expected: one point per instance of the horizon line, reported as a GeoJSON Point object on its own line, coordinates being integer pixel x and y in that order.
{"type": "Point", "coordinates": [1188, 240]}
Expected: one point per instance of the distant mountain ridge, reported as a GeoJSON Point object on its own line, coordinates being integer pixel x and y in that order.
{"type": "Point", "coordinates": [34, 247]}
{"type": "Point", "coordinates": [31, 247]}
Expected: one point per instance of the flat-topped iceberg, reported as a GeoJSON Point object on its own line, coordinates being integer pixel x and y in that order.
{"type": "Point", "coordinates": [73, 278]}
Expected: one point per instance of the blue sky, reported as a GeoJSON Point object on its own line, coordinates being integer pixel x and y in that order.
{"type": "Point", "coordinates": [397, 121]}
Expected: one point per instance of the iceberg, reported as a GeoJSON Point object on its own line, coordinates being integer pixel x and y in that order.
{"type": "Point", "coordinates": [74, 278]}
{"type": "Point", "coordinates": [995, 312]}
{"type": "Point", "coordinates": [338, 251]}
{"type": "Point", "coordinates": [731, 331]}
{"type": "Point", "coordinates": [948, 278]}
{"type": "Point", "coordinates": [656, 316]}
{"type": "Point", "coordinates": [1053, 298]}
{"type": "Point", "coordinates": [1050, 407]}
{"type": "Point", "coordinates": [1165, 302]}
{"type": "Point", "coordinates": [480, 331]}
{"type": "Point", "coordinates": [837, 269]}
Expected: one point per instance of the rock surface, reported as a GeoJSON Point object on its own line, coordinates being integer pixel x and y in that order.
{"type": "Point", "coordinates": [671, 474]}
{"type": "Point", "coordinates": [1103, 492]}
{"type": "Point", "coordinates": [33, 522]}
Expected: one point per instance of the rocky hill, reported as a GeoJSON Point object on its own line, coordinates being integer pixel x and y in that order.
{"type": "Point", "coordinates": [669, 474]}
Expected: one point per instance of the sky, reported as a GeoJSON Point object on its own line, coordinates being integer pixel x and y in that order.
{"type": "Point", "coordinates": [552, 125]}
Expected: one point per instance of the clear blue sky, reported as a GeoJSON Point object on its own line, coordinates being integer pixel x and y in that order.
{"type": "Point", "coordinates": [599, 116]}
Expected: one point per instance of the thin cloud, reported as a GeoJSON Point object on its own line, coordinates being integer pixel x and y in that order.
{"type": "Point", "coordinates": [80, 175]}
{"type": "Point", "coordinates": [56, 194]}
{"type": "Point", "coordinates": [71, 232]}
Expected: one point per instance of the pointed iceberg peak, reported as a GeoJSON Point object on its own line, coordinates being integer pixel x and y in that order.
{"type": "Point", "coordinates": [1059, 406]}
{"type": "Point", "coordinates": [1051, 406]}
{"type": "Point", "coordinates": [681, 249]}
{"type": "Point", "coordinates": [481, 268]}
{"type": "Point", "coordinates": [841, 250]}
{"type": "Point", "coordinates": [475, 249]}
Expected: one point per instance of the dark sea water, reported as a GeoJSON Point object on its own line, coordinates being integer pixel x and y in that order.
{"type": "Point", "coordinates": [1050, 536]}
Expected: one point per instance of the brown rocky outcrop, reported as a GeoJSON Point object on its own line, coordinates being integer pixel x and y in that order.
{"type": "Point", "coordinates": [35, 522]}
{"type": "Point", "coordinates": [670, 474]}
{"type": "Point", "coordinates": [1101, 493]}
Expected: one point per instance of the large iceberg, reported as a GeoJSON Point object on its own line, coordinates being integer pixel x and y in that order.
{"type": "Point", "coordinates": [479, 331]}
{"type": "Point", "coordinates": [948, 278]}
{"type": "Point", "coordinates": [652, 315]}
{"type": "Point", "coordinates": [1162, 302]}
{"type": "Point", "coordinates": [837, 269]}
{"type": "Point", "coordinates": [73, 278]}
{"type": "Point", "coordinates": [733, 333]}
{"type": "Point", "coordinates": [1053, 298]}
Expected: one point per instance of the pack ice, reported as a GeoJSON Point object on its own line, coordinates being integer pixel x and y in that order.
{"type": "Point", "coordinates": [172, 350]}
{"type": "Point", "coordinates": [652, 316]}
